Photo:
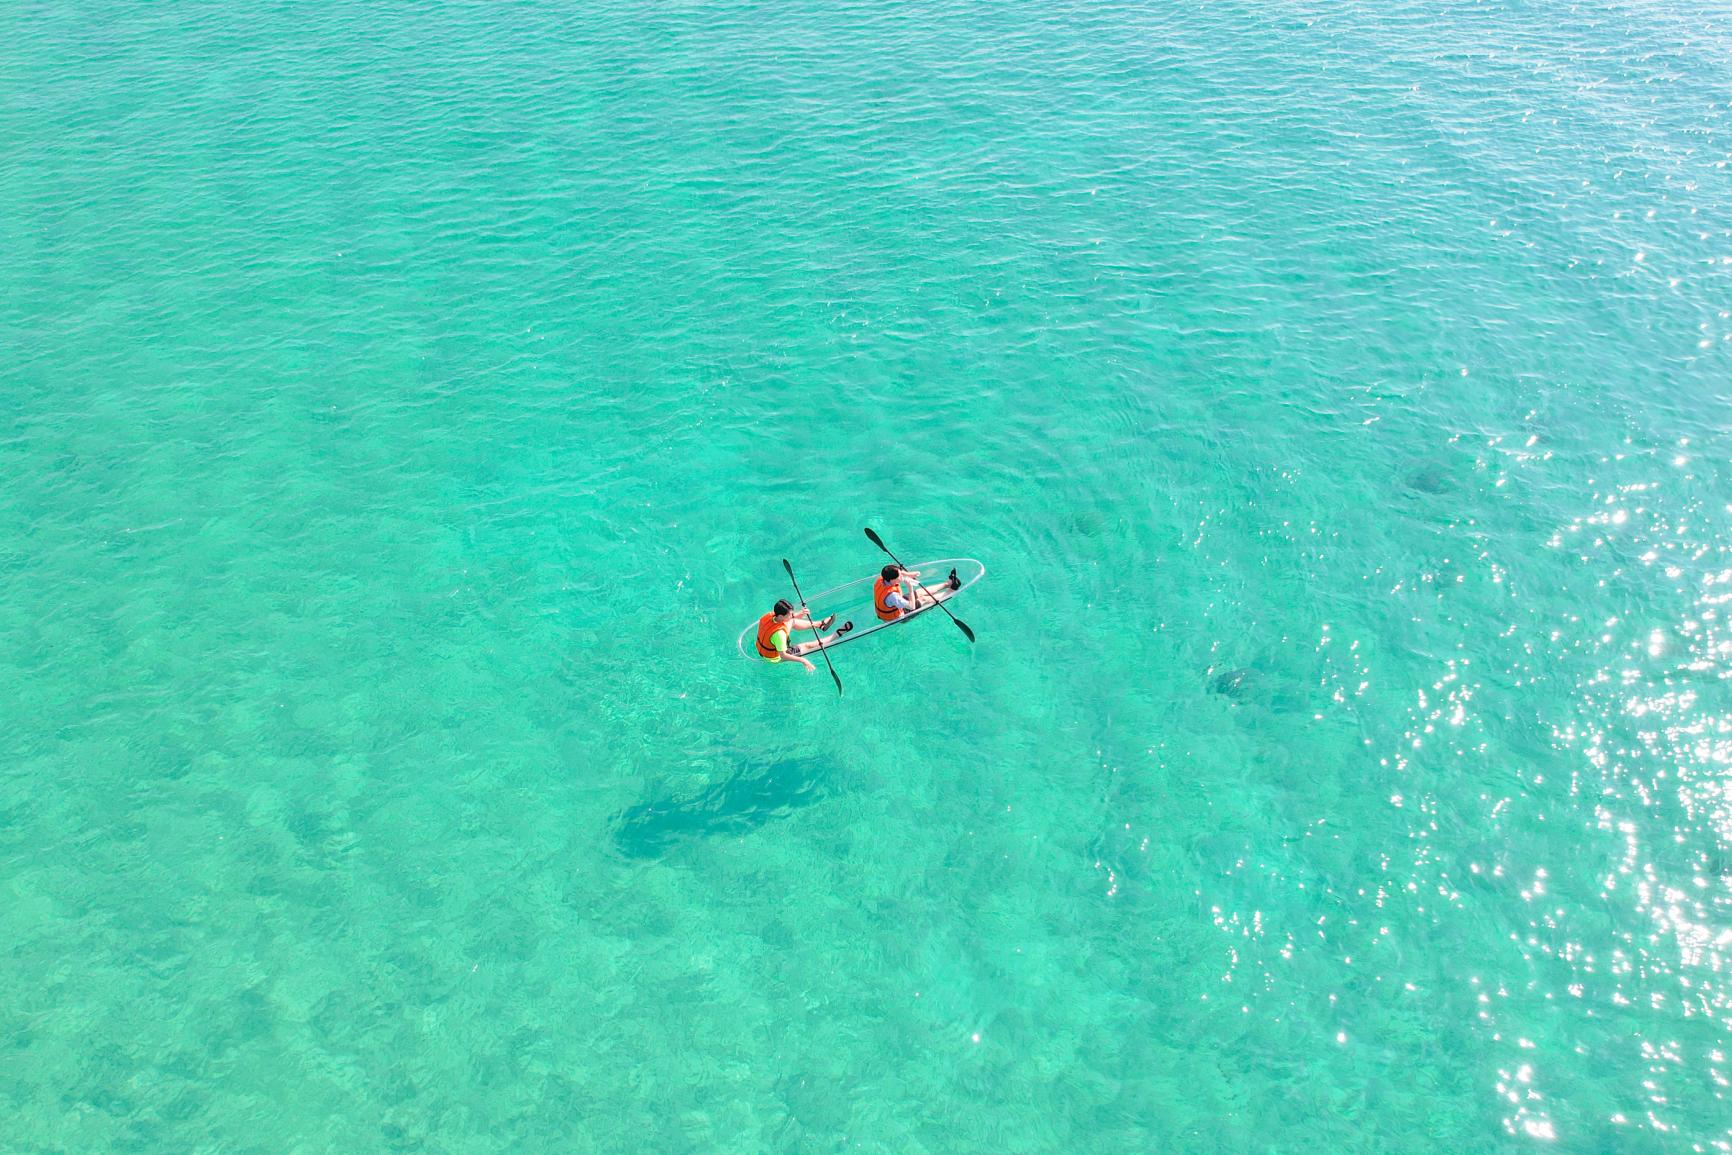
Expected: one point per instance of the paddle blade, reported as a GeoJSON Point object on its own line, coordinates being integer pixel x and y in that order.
{"type": "Point", "coordinates": [963, 626]}
{"type": "Point", "coordinates": [789, 568]}
{"type": "Point", "coordinates": [837, 678]}
{"type": "Point", "coordinates": [876, 540]}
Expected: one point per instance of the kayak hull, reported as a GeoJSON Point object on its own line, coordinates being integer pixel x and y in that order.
{"type": "Point", "coordinates": [852, 601]}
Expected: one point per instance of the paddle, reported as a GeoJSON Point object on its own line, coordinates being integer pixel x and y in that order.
{"type": "Point", "coordinates": [960, 624]}
{"type": "Point", "coordinates": [820, 633]}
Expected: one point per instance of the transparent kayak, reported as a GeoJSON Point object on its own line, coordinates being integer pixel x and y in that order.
{"type": "Point", "coordinates": [853, 602]}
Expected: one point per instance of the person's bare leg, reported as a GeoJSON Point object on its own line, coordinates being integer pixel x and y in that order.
{"type": "Point", "coordinates": [805, 648]}
{"type": "Point", "coordinates": [926, 596]}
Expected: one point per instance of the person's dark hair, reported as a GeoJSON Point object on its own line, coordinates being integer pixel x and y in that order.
{"type": "Point", "coordinates": [890, 573]}
{"type": "Point", "coordinates": [784, 607]}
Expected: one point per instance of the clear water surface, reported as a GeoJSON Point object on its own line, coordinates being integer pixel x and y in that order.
{"type": "Point", "coordinates": [403, 407]}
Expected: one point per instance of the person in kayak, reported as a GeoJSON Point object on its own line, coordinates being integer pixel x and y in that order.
{"type": "Point", "coordinates": [889, 601]}
{"type": "Point", "coordinates": [776, 629]}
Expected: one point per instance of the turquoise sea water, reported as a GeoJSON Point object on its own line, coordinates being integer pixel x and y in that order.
{"type": "Point", "coordinates": [403, 407]}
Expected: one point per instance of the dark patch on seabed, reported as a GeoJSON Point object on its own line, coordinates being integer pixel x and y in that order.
{"type": "Point", "coordinates": [1251, 687]}
{"type": "Point", "coordinates": [1233, 683]}
{"type": "Point", "coordinates": [1430, 478]}
{"type": "Point", "coordinates": [754, 794]}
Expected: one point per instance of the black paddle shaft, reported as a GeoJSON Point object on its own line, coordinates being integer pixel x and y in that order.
{"type": "Point", "coordinates": [820, 633]}
{"type": "Point", "coordinates": [960, 624]}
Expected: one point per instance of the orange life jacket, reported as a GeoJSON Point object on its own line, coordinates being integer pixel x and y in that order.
{"type": "Point", "coordinates": [881, 590]}
{"type": "Point", "coordinates": [768, 625]}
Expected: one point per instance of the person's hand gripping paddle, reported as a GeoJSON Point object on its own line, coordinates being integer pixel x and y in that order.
{"type": "Point", "coordinates": [821, 649]}
{"type": "Point", "coordinates": [879, 542]}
